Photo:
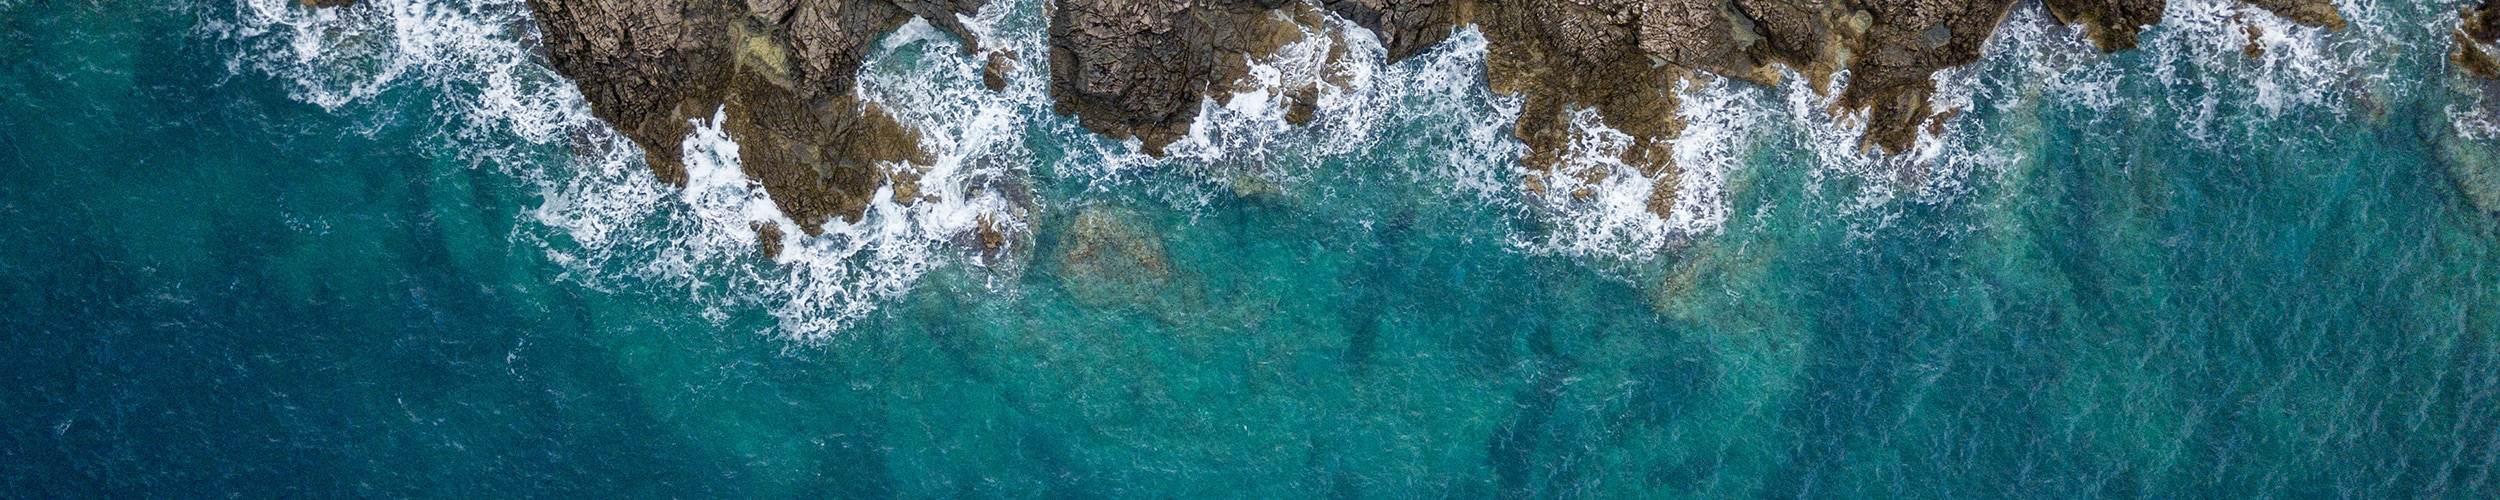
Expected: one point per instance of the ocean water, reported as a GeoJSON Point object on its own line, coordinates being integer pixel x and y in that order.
{"type": "Point", "coordinates": [253, 249]}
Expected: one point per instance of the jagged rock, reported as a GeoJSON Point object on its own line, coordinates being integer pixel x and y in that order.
{"type": "Point", "coordinates": [783, 69]}
{"type": "Point", "coordinates": [2112, 24]}
{"type": "Point", "coordinates": [2254, 49]}
{"type": "Point", "coordinates": [1904, 45]}
{"type": "Point", "coordinates": [1620, 57]}
{"type": "Point", "coordinates": [1562, 55]}
{"type": "Point", "coordinates": [327, 3]}
{"type": "Point", "coordinates": [782, 72]}
{"type": "Point", "coordinates": [1404, 27]}
{"type": "Point", "coordinates": [767, 238]}
{"type": "Point", "coordinates": [1138, 68]}
{"type": "Point", "coordinates": [2319, 13]}
{"type": "Point", "coordinates": [2480, 27]}
{"type": "Point", "coordinates": [2481, 23]}
{"type": "Point", "coordinates": [994, 73]}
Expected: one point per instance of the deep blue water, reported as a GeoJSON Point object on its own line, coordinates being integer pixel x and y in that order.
{"type": "Point", "coordinates": [253, 249]}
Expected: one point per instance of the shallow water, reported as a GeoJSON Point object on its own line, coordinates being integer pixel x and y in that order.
{"type": "Point", "coordinates": [383, 251]}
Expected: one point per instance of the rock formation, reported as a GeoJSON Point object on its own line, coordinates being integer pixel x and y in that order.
{"type": "Point", "coordinates": [2475, 35]}
{"type": "Point", "coordinates": [1131, 68]}
{"type": "Point", "coordinates": [783, 70]}
{"type": "Point", "coordinates": [1138, 67]}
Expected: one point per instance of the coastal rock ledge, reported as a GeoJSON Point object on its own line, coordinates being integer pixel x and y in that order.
{"type": "Point", "coordinates": [783, 70]}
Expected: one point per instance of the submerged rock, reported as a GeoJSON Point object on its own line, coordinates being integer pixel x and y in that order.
{"type": "Point", "coordinates": [1108, 258]}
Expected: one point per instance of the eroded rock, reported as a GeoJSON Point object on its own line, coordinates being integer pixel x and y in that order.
{"type": "Point", "coordinates": [994, 72]}
{"type": "Point", "coordinates": [2318, 13]}
{"type": "Point", "coordinates": [782, 72]}
{"type": "Point", "coordinates": [2479, 29]}
{"type": "Point", "coordinates": [1138, 68]}
{"type": "Point", "coordinates": [2111, 24]}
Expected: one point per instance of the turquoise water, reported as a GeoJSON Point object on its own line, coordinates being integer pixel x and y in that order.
{"type": "Point", "coordinates": [254, 249]}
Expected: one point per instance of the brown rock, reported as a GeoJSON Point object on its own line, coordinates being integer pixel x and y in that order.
{"type": "Point", "coordinates": [327, 3]}
{"type": "Point", "coordinates": [2319, 13]}
{"type": "Point", "coordinates": [1404, 27]}
{"type": "Point", "coordinates": [2254, 49]}
{"type": "Point", "coordinates": [767, 238]}
{"type": "Point", "coordinates": [1138, 68]}
{"type": "Point", "coordinates": [2479, 28]}
{"type": "Point", "coordinates": [2481, 24]}
{"type": "Point", "coordinates": [781, 70]}
{"type": "Point", "coordinates": [2112, 24]}
{"type": "Point", "coordinates": [994, 74]}
{"type": "Point", "coordinates": [1905, 43]}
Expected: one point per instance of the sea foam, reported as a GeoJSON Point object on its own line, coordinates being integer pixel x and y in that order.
{"type": "Point", "coordinates": [614, 227]}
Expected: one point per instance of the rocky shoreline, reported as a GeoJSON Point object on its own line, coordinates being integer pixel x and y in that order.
{"type": "Point", "coordinates": [782, 71]}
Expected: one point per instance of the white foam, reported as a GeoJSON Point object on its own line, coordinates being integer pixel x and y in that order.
{"type": "Point", "coordinates": [1246, 133]}
{"type": "Point", "coordinates": [1719, 128]}
{"type": "Point", "coordinates": [2196, 57]}
{"type": "Point", "coordinates": [614, 227]}
{"type": "Point", "coordinates": [472, 51]}
{"type": "Point", "coordinates": [2473, 121]}
{"type": "Point", "coordinates": [1610, 218]}
{"type": "Point", "coordinates": [973, 137]}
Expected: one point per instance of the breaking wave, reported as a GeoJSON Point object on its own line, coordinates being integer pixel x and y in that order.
{"type": "Point", "coordinates": [612, 226]}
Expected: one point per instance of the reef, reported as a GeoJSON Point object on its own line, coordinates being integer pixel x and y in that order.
{"type": "Point", "coordinates": [782, 72]}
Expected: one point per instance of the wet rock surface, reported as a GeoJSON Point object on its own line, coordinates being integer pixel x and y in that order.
{"type": "Point", "coordinates": [2111, 24]}
{"type": "Point", "coordinates": [780, 71]}
{"type": "Point", "coordinates": [2478, 29]}
{"type": "Point", "coordinates": [1138, 69]}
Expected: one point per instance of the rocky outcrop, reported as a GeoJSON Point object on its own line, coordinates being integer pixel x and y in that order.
{"type": "Point", "coordinates": [2111, 24]}
{"type": "Point", "coordinates": [1137, 68]}
{"type": "Point", "coordinates": [2475, 34]}
{"type": "Point", "coordinates": [781, 71]}
{"type": "Point", "coordinates": [2317, 13]}
{"type": "Point", "coordinates": [1621, 58]}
